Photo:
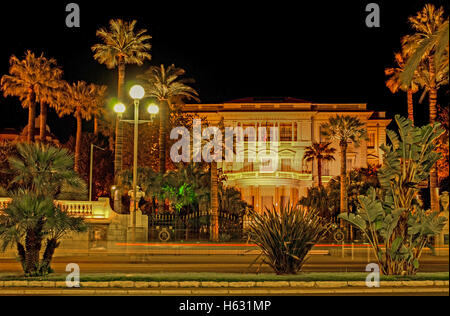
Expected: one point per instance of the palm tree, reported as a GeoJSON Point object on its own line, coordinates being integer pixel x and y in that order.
{"type": "Point", "coordinates": [345, 130]}
{"type": "Point", "coordinates": [165, 84]}
{"type": "Point", "coordinates": [44, 170]}
{"type": "Point", "coordinates": [429, 43]}
{"type": "Point", "coordinates": [83, 101]}
{"type": "Point", "coordinates": [121, 45]}
{"type": "Point", "coordinates": [41, 172]}
{"type": "Point", "coordinates": [428, 47]}
{"type": "Point", "coordinates": [320, 152]}
{"type": "Point", "coordinates": [395, 84]}
{"type": "Point", "coordinates": [34, 79]}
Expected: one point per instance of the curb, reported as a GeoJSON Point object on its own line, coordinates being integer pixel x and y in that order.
{"type": "Point", "coordinates": [220, 285]}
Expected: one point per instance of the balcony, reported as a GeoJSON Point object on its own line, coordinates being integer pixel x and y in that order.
{"type": "Point", "coordinates": [286, 175]}
{"type": "Point", "coordinates": [89, 210]}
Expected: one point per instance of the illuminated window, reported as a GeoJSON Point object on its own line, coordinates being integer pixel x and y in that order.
{"type": "Point", "coordinates": [285, 133]}
{"type": "Point", "coordinates": [286, 165]}
{"type": "Point", "coordinates": [371, 143]}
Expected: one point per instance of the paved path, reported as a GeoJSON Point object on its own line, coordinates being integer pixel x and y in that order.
{"type": "Point", "coordinates": [228, 292]}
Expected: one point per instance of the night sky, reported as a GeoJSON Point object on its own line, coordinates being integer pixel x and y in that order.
{"type": "Point", "coordinates": [320, 51]}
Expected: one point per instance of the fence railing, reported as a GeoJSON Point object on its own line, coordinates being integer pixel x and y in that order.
{"type": "Point", "coordinates": [90, 210]}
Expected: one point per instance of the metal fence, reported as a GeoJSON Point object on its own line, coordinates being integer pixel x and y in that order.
{"type": "Point", "coordinates": [195, 227]}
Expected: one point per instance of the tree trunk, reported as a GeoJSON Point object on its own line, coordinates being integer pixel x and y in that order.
{"type": "Point", "coordinates": [31, 117]}
{"type": "Point", "coordinates": [43, 123]}
{"type": "Point", "coordinates": [434, 188]}
{"type": "Point", "coordinates": [214, 203]}
{"type": "Point", "coordinates": [343, 202]}
{"type": "Point", "coordinates": [118, 159]}
{"type": "Point", "coordinates": [319, 171]}
{"type": "Point", "coordinates": [121, 81]}
{"type": "Point", "coordinates": [78, 140]}
{"type": "Point", "coordinates": [163, 136]}
{"type": "Point", "coordinates": [411, 105]}
{"type": "Point", "coordinates": [163, 121]}
{"type": "Point", "coordinates": [33, 244]}
{"type": "Point", "coordinates": [96, 126]}
{"type": "Point", "coordinates": [52, 245]}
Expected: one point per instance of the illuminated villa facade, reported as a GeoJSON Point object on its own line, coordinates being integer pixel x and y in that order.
{"type": "Point", "coordinates": [299, 126]}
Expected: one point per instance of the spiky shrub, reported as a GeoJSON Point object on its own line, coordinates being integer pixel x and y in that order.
{"type": "Point", "coordinates": [392, 216]}
{"type": "Point", "coordinates": [286, 236]}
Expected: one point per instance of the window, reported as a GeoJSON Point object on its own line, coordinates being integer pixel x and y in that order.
{"type": "Point", "coordinates": [285, 133]}
{"type": "Point", "coordinates": [371, 143]}
{"type": "Point", "coordinates": [248, 167]}
{"type": "Point", "coordinates": [286, 165]}
{"type": "Point", "coordinates": [284, 202]}
{"type": "Point", "coordinates": [266, 202]}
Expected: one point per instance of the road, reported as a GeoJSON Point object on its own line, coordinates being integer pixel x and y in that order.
{"type": "Point", "coordinates": [207, 263]}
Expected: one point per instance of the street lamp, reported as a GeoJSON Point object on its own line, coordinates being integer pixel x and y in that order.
{"type": "Point", "coordinates": [137, 93]}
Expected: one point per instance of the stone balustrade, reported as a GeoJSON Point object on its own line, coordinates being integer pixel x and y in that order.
{"type": "Point", "coordinates": [90, 210]}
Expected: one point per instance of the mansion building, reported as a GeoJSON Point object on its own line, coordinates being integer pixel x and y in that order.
{"type": "Point", "coordinates": [299, 126]}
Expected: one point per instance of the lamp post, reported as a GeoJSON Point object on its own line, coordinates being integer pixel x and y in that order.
{"type": "Point", "coordinates": [137, 93]}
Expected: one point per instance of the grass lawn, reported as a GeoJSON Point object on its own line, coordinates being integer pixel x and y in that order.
{"type": "Point", "coordinates": [229, 277]}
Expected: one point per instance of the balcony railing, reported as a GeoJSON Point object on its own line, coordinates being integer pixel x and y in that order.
{"type": "Point", "coordinates": [301, 176]}
{"type": "Point", "coordinates": [90, 210]}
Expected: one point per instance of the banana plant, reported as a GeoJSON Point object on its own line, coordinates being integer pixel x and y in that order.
{"type": "Point", "coordinates": [397, 228]}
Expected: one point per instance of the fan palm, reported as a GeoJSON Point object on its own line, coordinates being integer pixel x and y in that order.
{"type": "Point", "coordinates": [44, 170]}
{"type": "Point", "coordinates": [345, 130]}
{"type": "Point", "coordinates": [83, 101]}
{"type": "Point", "coordinates": [121, 45]}
{"type": "Point", "coordinates": [320, 152]}
{"type": "Point", "coordinates": [34, 79]}
{"type": "Point", "coordinates": [428, 48]}
{"type": "Point", "coordinates": [41, 173]}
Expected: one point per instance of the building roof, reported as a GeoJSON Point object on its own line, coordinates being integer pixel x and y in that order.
{"type": "Point", "coordinates": [277, 100]}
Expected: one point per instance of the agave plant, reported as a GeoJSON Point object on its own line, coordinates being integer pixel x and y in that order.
{"type": "Point", "coordinates": [393, 215]}
{"type": "Point", "coordinates": [286, 236]}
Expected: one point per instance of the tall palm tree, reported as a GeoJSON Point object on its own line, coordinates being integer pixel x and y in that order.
{"type": "Point", "coordinates": [428, 46]}
{"type": "Point", "coordinates": [34, 79]}
{"type": "Point", "coordinates": [320, 152]}
{"type": "Point", "coordinates": [165, 84]}
{"type": "Point", "coordinates": [83, 101]}
{"type": "Point", "coordinates": [121, 45]}
{"type": "Point", "coordinates": [345, 130]}
{"type": "Point", "coordinates": [395, 84]}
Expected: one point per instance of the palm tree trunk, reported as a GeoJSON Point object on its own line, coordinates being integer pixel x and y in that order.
{"type": "Point", "coordinates": [411, 105]}
{"type": "Point", "coordinates": [78, 140]}
{"type": "Point", "coordinates": [162, 143]}
{"type": "Point", "coordinates": [434, 188]}
{"type": "Point", "coordinates": [319, 171]}
{"type": "Point", "coordinates": [31, 118]}
{"type": "Point", "coordinates": [96, 126]}
{"type": "Point", "coordinates": [162, 137]}
{"type": "Point", "coordinates": [43, 123]}
{"type": "Point", "coordinates": [52, 244]}
{"type": "Point", "coordinates": [121, 79]}
{"type": "Point", "coordinates": [343, 202]}
{"type": "Point", "coordinates": [214, 203]}
{"type": "Point", "coordinates": [32, 248]}
{"type": "Point", "coordinates": [119, 126]}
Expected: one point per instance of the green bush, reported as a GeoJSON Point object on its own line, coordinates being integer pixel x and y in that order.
{"type": "Point", "coordinates": [286, 236]}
